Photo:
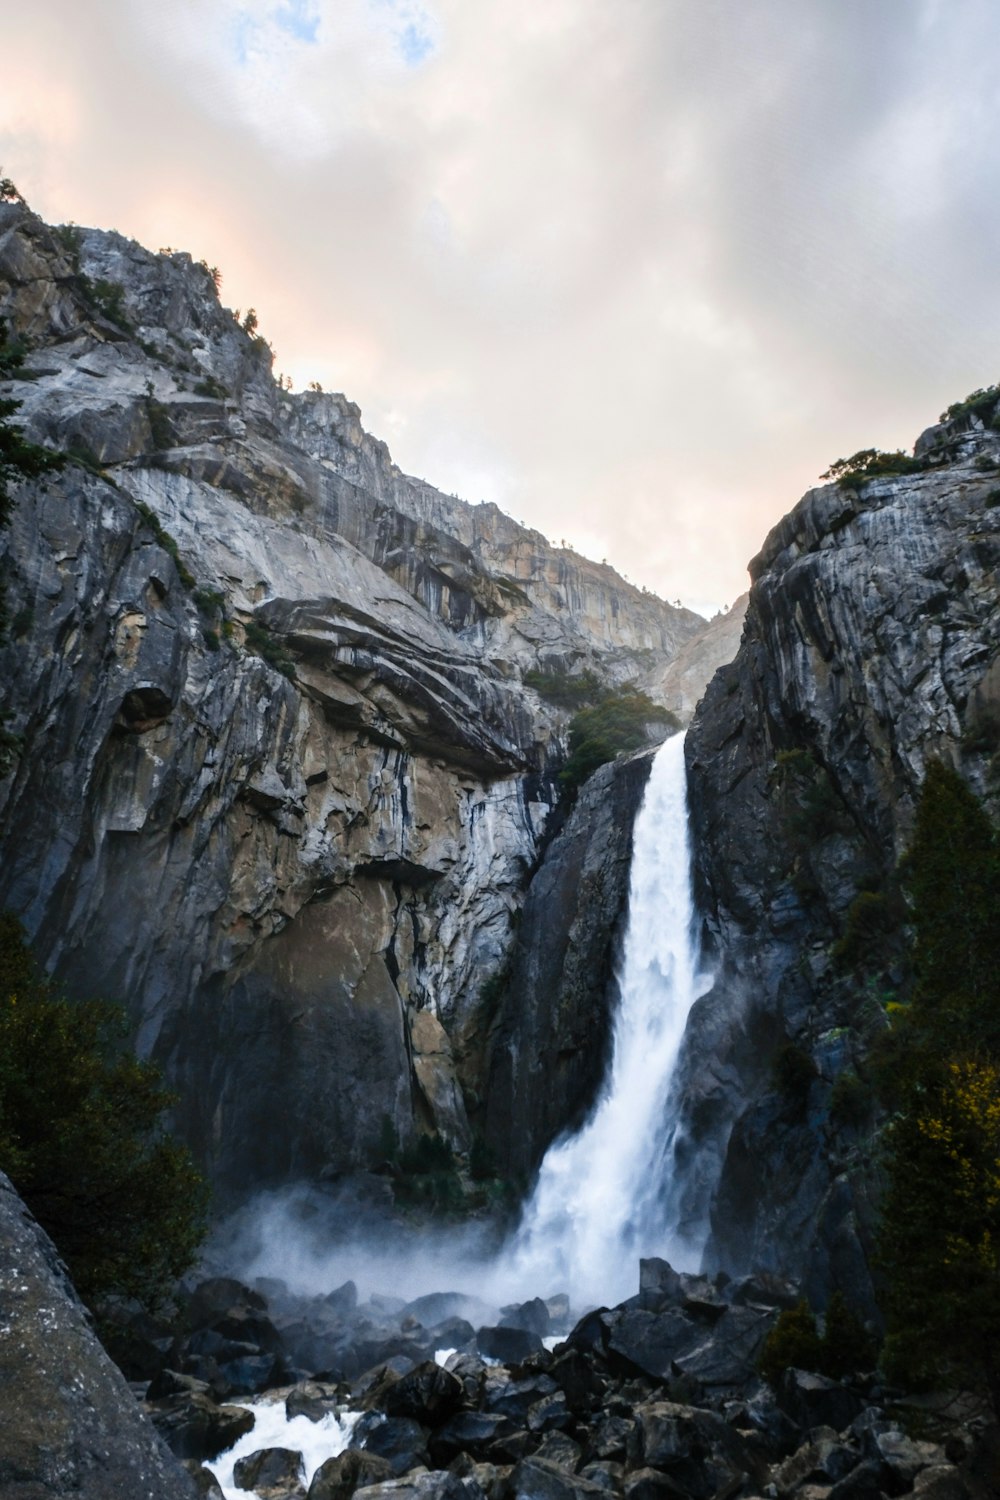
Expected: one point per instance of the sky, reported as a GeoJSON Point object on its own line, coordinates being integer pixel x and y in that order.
{"type": "Point", "coordinates": [636, 271]}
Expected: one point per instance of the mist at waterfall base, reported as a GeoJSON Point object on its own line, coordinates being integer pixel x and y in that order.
{"type": "Point", "coordinates": [604, 1197]}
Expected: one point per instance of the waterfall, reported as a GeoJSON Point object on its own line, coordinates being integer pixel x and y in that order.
{"type": "Point", "coordinates": [603, 1196]}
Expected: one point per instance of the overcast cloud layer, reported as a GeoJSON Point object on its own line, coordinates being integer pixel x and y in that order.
{"type": "Point", "coordinates": [636, 271]}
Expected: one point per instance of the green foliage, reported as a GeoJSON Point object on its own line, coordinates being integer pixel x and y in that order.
{"type": "Point", "coordinates": [260, 642]}
{"type": "Point", "coordinates": [872, 931]}
{"type": "Point", "coordinates": [565, 690]}
{"type": "Point", "coordinates": [482, 1161]}
{"type": "Point", "coordinates": [795, 1343]}
{"type": "Point", "coordinates": [618, 723]}
{"type": "Point", "coordinates": [108, 299]}
{"type": "Point", "coordinates": [209, 601]}
{"type": "Point", "coordinates": [161, 428]}
{"type": "Point", "coordinates": [249, 324]}
{"type": "Point", "coordinates": [211, 638]}
{"type": "Point", "coordinates": [166, 541]}
{"type": "Point", "coordinates": [211, 387]}
{"type": "Point", "coordinates": [811, 809]}
{"type": "Point", "coordinates": [82, 1140]}
{"type": "Point", "coordinates": [980, 403]}
{"type": "Point", "coordinates": [8, 192]}
{"type": "Point", "coordinates": [871, 463]}
{"type": "Point", "coordinates": [846, 1347]}
{"type": "Point", "coordinates": [939, 1067]}
{"type": "Point", "coordinates": [69, 239]}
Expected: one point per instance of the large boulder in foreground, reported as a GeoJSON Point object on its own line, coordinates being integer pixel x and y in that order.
{"type": "Point", "coordinates": [70, 1425]}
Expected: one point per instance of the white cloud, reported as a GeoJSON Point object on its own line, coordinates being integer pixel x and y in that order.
{"type": "Point", "coordinates": [642, 270]}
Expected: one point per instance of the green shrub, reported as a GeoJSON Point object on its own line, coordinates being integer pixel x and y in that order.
{"type": "Point", "coordinates": [166, 541]}
{"type": "Point", "coordinates": [871, 463]}
{"type": "Point", "coordinates": [871, 933]}
{"type": "Point", "coordinates": [620, 722]}
{"type": "Point", "coordinates": [82, 1140]}
{"type": "Point", "coordinates": [260, 642]}
{"type": "Point", "coordinates": [979, 403]}
{"type": "Point", "coordinates": [211, 387]}
{"type": "Point", "coordinates": [564, 689]}
{"type": "Point", "coordinates": [793, 1343]}
{"type": "Point", "coordinates": [108, 299]}
{"type": "Point", "coordinates": [161, 428]}
{"type": "Point", "coordinates": [211, 638]}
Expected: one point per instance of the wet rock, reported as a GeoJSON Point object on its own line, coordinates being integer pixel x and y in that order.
{"type": "Point", "coordinates": [421, 1485]}
{"type": "Point", "coordinates": [652, 1484]}
{"type": "Point", "coordinates": [696, 1448]}
{"type": "Point", "coordinates": [510, 1345]}
{"type": "Point", "coordinates": [338, 1478]}
{"type": "Point", "coordinates": [401, 1441]}
{"type": "Point", "coordinates": [193, 1426]}
{"type": "Point", "coordinates": [822, 1460]}
{"type": "Point", "coordinates": [343, 1300]}
{"type": "Point", "coordinates": [942, 1482]}
{"type": "Point", "coordinates": [815, 1401]}
{"type": "Point", "coordinates": [730, 1353]}
{"type": "Point", "coordinates": [606, 1475]}
{"type": "Point", "coordinates": [205, 1482]}
{"type": "Point", "coordinates": [313, 1399]}
{"type": "Point", "coordinates": [274, 1473]}
{"type": "Point", "coordinates": [559, 1448]}
{"type": "Point", "coordinates": [472, 1432]}
{"type": "Point", "coordinates": [862, 1483]}
{"type": "Point", "coordinates": [653, 1342]}
{"type": "Point", "coordinates": [532, 1317]}
{"type": "Point", "coordinates": [539, 1479]}
{"type": "Point", "coordinates": [428, 1394]}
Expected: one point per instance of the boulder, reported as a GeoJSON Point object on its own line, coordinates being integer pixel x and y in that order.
{"type": "Point", "coordinates": [815, 1401]}
{"type": "Point", "coordinates": [532, 1317]}
{"type": "Point", "coordinates": [401, 1441]}
{"type": "Point", "coordinates": [273, 1473]}
{"type": "Point", "coordinates": [314, 1399]}
{"type": "Point", "coordinates": [509, 1345]}
{"type": "Point", "coordinates": [340, 1477]}
{"type": "Point", "coordinates": [428, 1394]}
{"type": "Point", "coordinates": [540, 1479]}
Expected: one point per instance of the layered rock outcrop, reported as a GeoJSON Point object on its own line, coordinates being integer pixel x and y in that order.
{"type": "Point", "coordinates": [282, 784]}
{"type": "Point", "coordinates": [872, 644]}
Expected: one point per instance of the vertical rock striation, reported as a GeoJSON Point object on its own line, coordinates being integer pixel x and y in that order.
{"type": "Point", "coordinates": [872, 644]}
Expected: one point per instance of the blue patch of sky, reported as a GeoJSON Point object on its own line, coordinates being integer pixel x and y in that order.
{"type": "Point", "coordinates": [300, 18]}
{"type": "Point", "coordinates": [412, 28]}
{"type": "Point", "coordinates": [242, 31]}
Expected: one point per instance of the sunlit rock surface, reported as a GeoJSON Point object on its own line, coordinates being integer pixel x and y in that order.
{"type": "Point", "coordinates": [282, 786]}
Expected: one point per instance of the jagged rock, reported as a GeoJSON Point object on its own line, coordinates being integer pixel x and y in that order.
{"type": "Point", "coordinates": [941, 1482]}
{"type": "Point", "coordinates": [205, 1483]}
{"type": "Point", "coordinates": [194, 1426]}
{"type": "Point", "coordinates": [70, 1425]}
{"type": "Point", "coordinates": [652, 1484]}
{"type": "Point", "coordinates": [401, 1441]}
{"type": "Point", "coordinates": [313, 1399]}
{"type": "Point", "coordinates": [427, 1394]}
{"type": "Point", "coordinates": [532, 1316]}
{"type": "Point", "coordinates": [815, 1401]}
{"type": "Point", "coordinates": [421, 1485]}
{"type": "Point", "coordinates": [339, 1478]}
{"type": "Point", "coordinates": [559, 1448]}
{"type": "Point", "coordinates": [862, 1483]}
{"type": "Point", "coordinates": [539, 1479]}
{"type": "Point", "coordinates": [607, 1476]}
{"type": "Point", "coordinates": [822, 1460]}
{"type": "Point", "coordinates": [468, 1432]}
{"type": "Point", "coordinates": [697, 1449]}
{"type": "Point", "coordinates": [511, 1345]}
{"type": "Point", "coordinates": [273, 1473]}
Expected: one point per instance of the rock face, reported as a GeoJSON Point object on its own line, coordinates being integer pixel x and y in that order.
{"type": "Point", "coordinates": [70, 1424]}
{"type": "Point", "coordinates": [549, 1042]}
{"type": "Point", "coordinates": [872, 644]}
{"type": "Point", "coordinates": [680, 685]}
{"type": "Point", "coordinates": [282, 783]}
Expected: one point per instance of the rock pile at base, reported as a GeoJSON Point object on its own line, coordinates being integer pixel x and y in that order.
{"type": "Point", "coordinates": [656, 1399]}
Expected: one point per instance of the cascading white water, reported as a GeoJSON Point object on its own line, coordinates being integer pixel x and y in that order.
{"type": "Point", "coordinates": [602, 1196]}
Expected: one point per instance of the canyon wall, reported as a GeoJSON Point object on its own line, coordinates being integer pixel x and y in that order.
{"type": "Point", "coordinates": [283, 777]}
{"type": "Point", "coordinates": [871, 646]}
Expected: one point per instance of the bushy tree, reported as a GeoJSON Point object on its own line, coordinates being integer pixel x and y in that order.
{"type": "Point", "coordinates": [81, 1137]}
{"type": "Point", "coordinates": [939, 1243]}
{"type": "Point", "coordinates": [618, 723]}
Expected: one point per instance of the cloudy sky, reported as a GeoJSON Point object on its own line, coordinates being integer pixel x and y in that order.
{"type": "Point", "coordinates": [638, 271]}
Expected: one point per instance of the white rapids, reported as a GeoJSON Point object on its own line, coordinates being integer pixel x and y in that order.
{"type": "Point", "coordinates": [603, 1196]}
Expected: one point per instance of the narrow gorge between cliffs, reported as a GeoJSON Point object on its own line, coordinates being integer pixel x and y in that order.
{"type": "Point", "coordinates": [605, 1196]}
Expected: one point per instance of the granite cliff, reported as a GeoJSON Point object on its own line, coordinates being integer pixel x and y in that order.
{"type": "Point", "coordinates": [871, 646]}
{"type": "Point", "coordinates": [283, 778]}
